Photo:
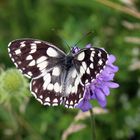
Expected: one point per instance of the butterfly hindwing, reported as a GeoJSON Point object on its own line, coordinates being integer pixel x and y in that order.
{"type": "Point", "coordinates": [49, 92]}
{"type": "Point", "coordinates": [46, 97]}
{"type": "Point", "coordinates": [74, 98]}
{"type": "Point", "coordinates": [34, 57]}
{"type": "Point", "coordinates": [89, 63]}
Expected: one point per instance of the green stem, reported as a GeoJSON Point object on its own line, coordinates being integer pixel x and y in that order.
{"type": "Point", "coordinates": [93, 128]}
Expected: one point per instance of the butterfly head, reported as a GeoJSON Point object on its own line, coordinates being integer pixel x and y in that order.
{"type": "Point", "coordinates": [74, 49]}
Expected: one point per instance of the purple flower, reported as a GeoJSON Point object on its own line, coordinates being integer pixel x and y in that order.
{"type": "Point", "coordinates": [100, 87]}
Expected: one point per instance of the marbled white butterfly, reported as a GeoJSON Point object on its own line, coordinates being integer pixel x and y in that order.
{"type": "Point", "coordinates": [56, 78]}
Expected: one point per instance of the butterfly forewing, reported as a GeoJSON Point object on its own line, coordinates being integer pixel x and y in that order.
{"type": "Point", "coordinates": [34, 57]}
{"type": "Point", "coordinates": [89, 63]}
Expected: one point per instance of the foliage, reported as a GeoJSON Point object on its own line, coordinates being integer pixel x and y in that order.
{"type": "Point", "coordinates": [115, 25]}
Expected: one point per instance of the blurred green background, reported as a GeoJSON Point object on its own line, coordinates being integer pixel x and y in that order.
{"type": "Point", "coordinates": [116, 27]}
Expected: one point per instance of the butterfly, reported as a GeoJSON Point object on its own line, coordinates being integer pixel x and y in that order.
{"type": "Point", "coordinates": [57, 78]}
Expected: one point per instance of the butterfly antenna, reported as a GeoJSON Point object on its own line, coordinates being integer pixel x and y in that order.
{"type": "Point", "coordinates": [54, 30]}
{"type": "Point", "coordinates": [66, 43]}
{"type": "Point", "coordinates": [87, 34]}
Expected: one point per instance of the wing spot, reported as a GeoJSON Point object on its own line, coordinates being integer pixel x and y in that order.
{"type": "Point", "coordinates": [30, 73]}
{"type": "Point", "coordinates": [52, 52]}
{"type": "Point", "coordinates": [60, 89]}
{"type": "Point", "coordinates": [27, 75]}
{"type": "Point", "coordinates": [55, 104]}
{"type": "Point", "coordinates": [33, 46]}
{"type": "Point", "coordinates": [86, 81]}
{"type": "Point", "coordinates": [73, 89]}
{"type": "Point", "coordinates": [10, 55]}
{"type": "Point", "coordinates": [55, 100]}
{"type": "Point", "coordinates": [8, 49]}
{"type": "Point", "coordinates": [16, 65]}
{"type": "Point", "coordinates": [50, 86]}
{"type": "Point", "coordinates": [37, 42]}
{"type": "Point", "coordinates": [88, 71]}
{"type": "Point", "coordinates": [32, 51]}
{"type": "Point", "coordinates": [29, 57]}
{"type": "Point", "coordinates": [22, 45]}
{"type": "Point", "coordinates": [97, 75]}
{"type": "Point", "coordinates": [69, 88]}
{"type": "Point", "coordinates": [81, 56]}
{"type": "Point", "coordinates": [80, 96]}
{"type": "Point", "coordinates": [67, 102]}
{"type": "Point", "coordinates": [92, 49]}
{"type": "Point", "coordinates": [70, 106]}
{"type": "Point", "coordinates": [47, 79]}
{"type": "Point", "coordinates": [41, 97]}
{"type": "Point", "coordinates": [34, 94]}
{"type": "Point", "coordinates": [91, 66]}
{"type": "Point", "coordinates": [32, 63]}
{"type": "Point", "coordinates": [47, 99]}
{"type": "Point", "coordinates": [100, 62]}
{"type": "Point", "coordinates": [74, 73]}
{"type": "Point", "coordinates": [12, 59]}
{"type": "Point", "coordinates": [19, 62]}
{"type": "Point", "coordinates": [71, 102]}
{"type": "Point", "coordinates": [18, 51]}
{"type": "Point", "coordinates": [76, 84]}
{"type": "Point", "coordinates": [34, 82]}
{"type": "Point", "coordinates": [40, 100]}
{"type": "Point", "coordinates": [99, 54]}
{"type": "Point", "coordinates": [56, 71]}
{"type": "Point", "coordinates": [36, 90]}
{"type": "Point", "coordinates": [42, 65]}
{"type": "Point", "coordinates": [66, 106]}
{"type": "Point", "coordinates": [42, 58]}
{"type": "Point", "coordinates": [46, 103]}
{"type": "Point", "coordinates": [22, 42]}
{"type": "Point", "coordinates": [84, 65]}
{"type": "Point", "coordinates": [91, 59]}
{"type": "Point", "coordinates": [82, 71]}
{"type": "Point", "coordinates": [56, 87]}
{"type": "Point", "coordinates": [9, 44]}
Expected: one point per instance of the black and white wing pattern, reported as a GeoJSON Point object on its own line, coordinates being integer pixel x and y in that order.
{"type": "Point", "coordinates": [52, 94]}
{"type": "Point", "coordinates": [44, 64]}
{"type": "Point", "coordinates": [57, 78]}
{"type": "Point", "coordinates": [34, 57]}
{"type": "Point", "coordinates": [89, 63]}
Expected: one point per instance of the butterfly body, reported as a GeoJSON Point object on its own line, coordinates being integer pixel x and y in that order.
{"type": "Point", "coordinates": [57, 78]}
{"type": "Point", "coordinates": [68, 63]}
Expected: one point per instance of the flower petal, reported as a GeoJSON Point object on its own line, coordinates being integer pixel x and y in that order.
{"type": "Point", "coordinates": [100, 95]}
{"type": "Point", "coordinates": [84, 105]}
{"type": "Point", "coordinates": [112, 84]}
{"type": "Point", "coordinates": [111, 59]}
{"type": "Point", "coordinates": [88, 46]}
{"type": "Point", "coordinates": [102, 103]}
{"type": "Point", "coordinates": [106, 90]}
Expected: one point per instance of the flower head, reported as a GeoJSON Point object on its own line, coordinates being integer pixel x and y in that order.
{"type": "Point", "coordinates": [12, 85]}
{"type": "Point", "coordinates": [100, 87]}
